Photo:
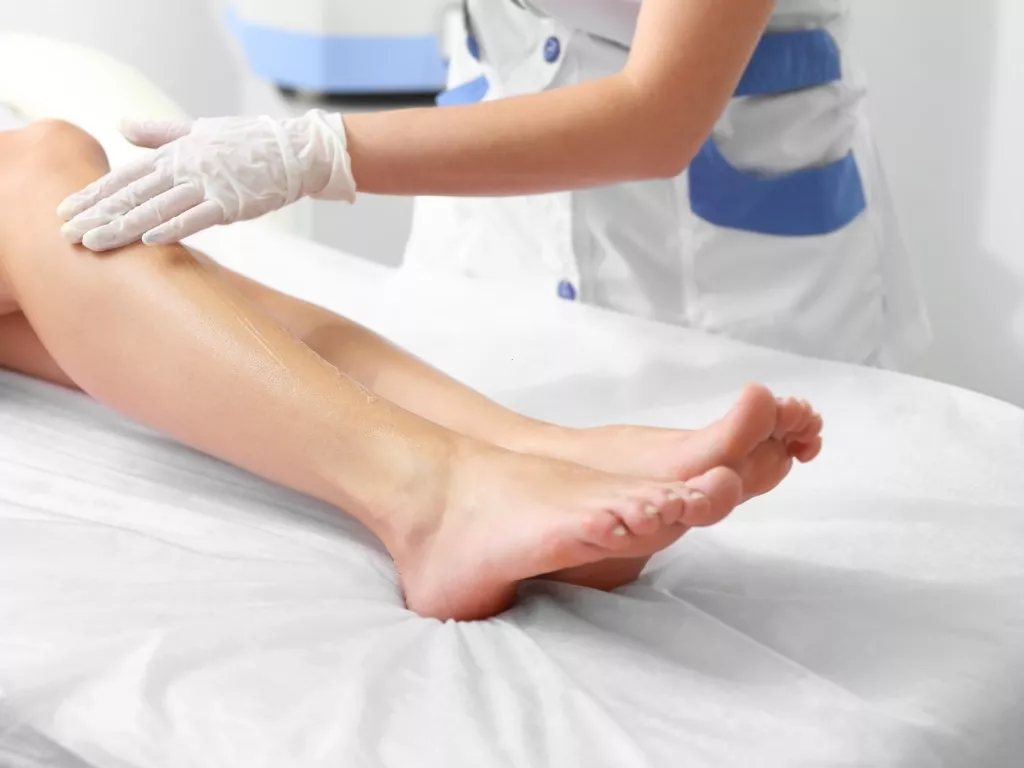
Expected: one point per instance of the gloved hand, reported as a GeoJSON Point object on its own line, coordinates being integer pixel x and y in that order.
{"type": "Point", "coordinates": [209, 172]}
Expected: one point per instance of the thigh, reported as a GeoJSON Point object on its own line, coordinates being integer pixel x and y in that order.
{"type": "Point", "coordinates": [21, 351]}
{"type": "Point", "coordinates": [8, 305]}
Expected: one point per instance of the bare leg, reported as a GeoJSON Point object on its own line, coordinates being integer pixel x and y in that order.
{"type": "Point", "coordinates": [21, 350]}
{"type": "Point", "coordinates": [162, 338]}
{"type": "Point", "coordinates": [399, 376]}
{"type": "Point", "coordinates": [760, 437]}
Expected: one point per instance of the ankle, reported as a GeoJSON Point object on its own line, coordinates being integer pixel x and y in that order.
{"type": "Point", "coordinates": [399, 491]}
{"type": "Point", "coordinates": [537, 438]}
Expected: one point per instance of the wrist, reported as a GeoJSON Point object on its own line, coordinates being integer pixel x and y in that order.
{"type": "Point", "coordinates": [320, 144]}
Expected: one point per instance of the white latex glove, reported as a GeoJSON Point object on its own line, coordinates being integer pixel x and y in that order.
{"type": "Point", "coordinates": [209, 172]}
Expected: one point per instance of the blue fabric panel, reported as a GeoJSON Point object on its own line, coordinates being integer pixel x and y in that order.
{"type": "Point", "coordinates": [791, 61]}
{"type": "Point", "coordinates": [815, 201]}
{"type": "Point", "coordinates": [467, 93]}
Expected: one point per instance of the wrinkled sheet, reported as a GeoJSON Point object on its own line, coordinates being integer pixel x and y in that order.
{"type": "Point", "coordinates": [159, 608]}
{"type": "Point", "coordinates": [21, 746]}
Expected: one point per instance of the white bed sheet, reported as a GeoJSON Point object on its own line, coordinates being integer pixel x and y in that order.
{"type": "Point", "coordinates": [158, 608]}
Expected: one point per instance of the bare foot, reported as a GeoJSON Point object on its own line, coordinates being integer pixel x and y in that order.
{"type": "Point", "coordinates": [760, 438]}
{"type": "Point", "coordinates": [503, 517]}
{"type": "Point", "coordinates": [757, 417]}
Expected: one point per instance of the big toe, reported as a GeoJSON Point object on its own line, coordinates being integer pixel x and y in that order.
{"type": "Point", "coordinates": [765, 468]}
{"type": "Point", "coordinates": [723, 489]}
{"type": "Point", "coordinates": [748, 423]}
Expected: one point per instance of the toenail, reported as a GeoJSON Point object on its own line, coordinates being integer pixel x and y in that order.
{"type": "Point", "coordinates": [619, 531]}
{"type": "Point", "coordinates": [687, 494]}
{"type": "Point", "coordinates": [651, 510]}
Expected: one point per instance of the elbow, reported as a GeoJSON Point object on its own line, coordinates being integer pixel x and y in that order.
{"type": "Point", "coordinates": [666, 160]}
{"type": "Point", "coordinates": [669, 164]}
{"type": "Point", "coordinates": [664, 145]}
{"type": "Point", "coordinates": [662, 138]}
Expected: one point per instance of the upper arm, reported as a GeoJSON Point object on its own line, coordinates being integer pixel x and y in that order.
{"type": "Point", "coordinates": [686, 61]}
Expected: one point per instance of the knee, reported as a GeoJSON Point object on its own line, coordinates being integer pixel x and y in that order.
{"type": "Point", "coordinates": [60, 139]}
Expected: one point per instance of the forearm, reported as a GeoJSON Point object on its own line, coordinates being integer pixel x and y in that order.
{"type": "Point", "coordinates": [570, 138]}
{"type": "Point", "coordinates": [647, 121]}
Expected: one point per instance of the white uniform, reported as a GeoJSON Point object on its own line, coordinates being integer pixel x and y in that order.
{"type": "Point", "coordinates": [781, 232]}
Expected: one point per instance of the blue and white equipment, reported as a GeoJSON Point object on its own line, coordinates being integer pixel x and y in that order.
{"type": "Point", "coordinates": [345, 47]}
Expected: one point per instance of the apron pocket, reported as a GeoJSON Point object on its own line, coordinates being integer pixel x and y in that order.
{"type": "Point", "coordinates": [816, 198]}
{"type": "Point", "coordinates": [813, 201]}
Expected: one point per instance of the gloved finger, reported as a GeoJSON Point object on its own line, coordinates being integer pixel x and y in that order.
{"type": "Point", "coordinates": [152, 134]}
{"type": "Point", "coordinates": [203, 216]}
{"type": "Point", "coordinates": [136, 222]}
{"type": "Point", "coordinates": [104, 187]}
{"type": "Point", "coordinates": [106, 211]}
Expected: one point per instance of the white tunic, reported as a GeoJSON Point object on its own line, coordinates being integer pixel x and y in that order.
{"type": "Point", "coordinates": [781, 232]}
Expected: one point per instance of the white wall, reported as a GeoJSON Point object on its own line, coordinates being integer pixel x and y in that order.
{"type": "Point", "coordinates": [178, 44]}
{"type": "Point", "coordinates": [948, 103]}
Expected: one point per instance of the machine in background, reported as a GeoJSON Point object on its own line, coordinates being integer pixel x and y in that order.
{"type": "Point", "coordinates": [343, 47]}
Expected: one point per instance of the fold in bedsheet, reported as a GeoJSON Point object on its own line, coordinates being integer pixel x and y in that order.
{"type": "Point", "coordinates": [162, 609]}
{"type": "Point", "coordinates": [24, 747]}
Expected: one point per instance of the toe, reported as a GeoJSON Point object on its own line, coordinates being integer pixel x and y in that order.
{"type": "Point", "coordinates": [728, 441]}
{"type": "Point", "coordinates": [805, 451]}
{"type": "Point", "coordinates": [689, 502]}
{"type": "Point", "coordinates": [788, 413]}
{"type": "Point", "coordinates": [813, 428]}
{"type": "Point", "coordinates": [792, 417]}
{"type": "Point", "coordinates": [696, 503]}
{"type": "Point", "coordinates": [722, 489]}
{"type": "Point", "coordinates": [767, 466]}
{"type": "Point", "coordinates": [607, 530]}
{"type": "Point", "coordinates": [806, 444]}
{"type": "Point", "coordinates": [749, 422]}
{"type": "Point", "coordinates": [647, 511]}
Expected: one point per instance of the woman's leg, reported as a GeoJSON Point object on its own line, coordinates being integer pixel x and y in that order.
{"type": "Point", "coordinates": [165, 340]}
{"type": "Point", "coordinates": [759, 438]}
{"type": "Point", "coordinates": [21, 350]}
{"type": "Point", "coordinates": [397, 375]}
{"type": "Point", "coordinates": [738, 440]}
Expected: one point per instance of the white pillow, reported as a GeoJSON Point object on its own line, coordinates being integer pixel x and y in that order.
{"type": "Point", "coordinates": [10, 118]}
